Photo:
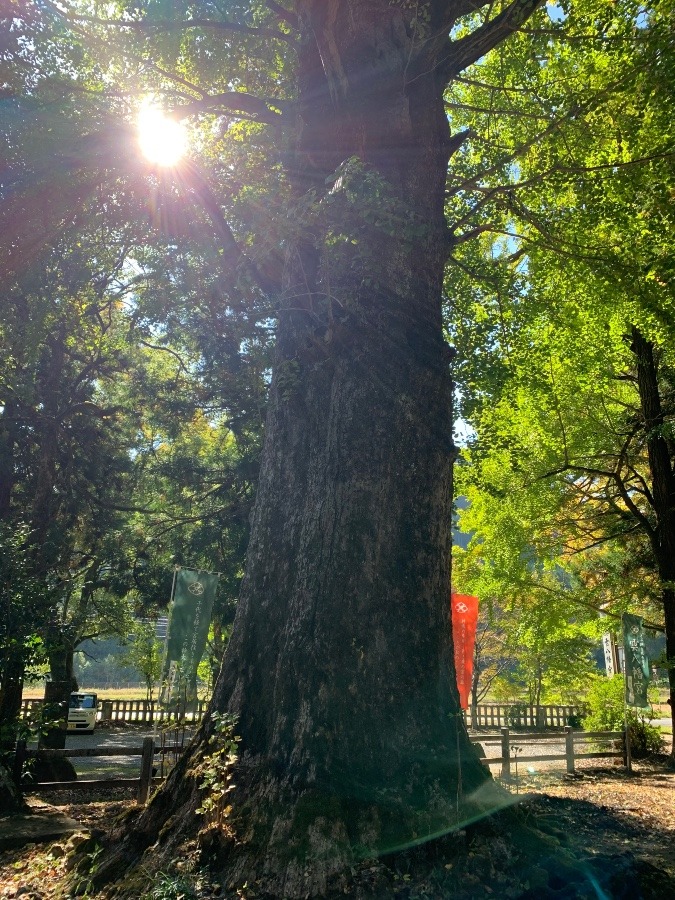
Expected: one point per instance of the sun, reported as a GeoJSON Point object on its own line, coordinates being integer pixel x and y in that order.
{"type": "Point", "coordinates": [162, 140]}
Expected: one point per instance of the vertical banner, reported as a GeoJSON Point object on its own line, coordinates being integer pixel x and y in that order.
{"type": "Point", "coordinates": [636, 661]}
{"type": "Point", "coordinates": [464, 619]}
{"type": "Point", "coordinates": [611, 660]}
{"type": "Point", "coordinates": [188, 629]}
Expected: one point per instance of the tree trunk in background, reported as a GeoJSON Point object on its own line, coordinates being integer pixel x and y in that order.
{"type": "Point", "coordinates": [55, 715]}
{"type": "Point", "coordinates": [663, 492]}
{"type": "Point", "coordinates": [11, 691]}
{"type": "Point", "coordinates": [475, 681]}
{"type": "Point", "coordinates": [8, 431]}
{"type": "Point", "coordinates": [57, 695]}
{"type": "Point", "coordinates": [11, 801]}
{"type": "Point", "coordinates": [340, 668]}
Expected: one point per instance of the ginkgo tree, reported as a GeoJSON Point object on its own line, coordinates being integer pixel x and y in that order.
{"type": "Point", "coordinates": [565, 337]}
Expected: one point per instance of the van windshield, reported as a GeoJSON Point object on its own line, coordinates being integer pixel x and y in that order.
{"type": "Point", "coordinates": [83, 701]}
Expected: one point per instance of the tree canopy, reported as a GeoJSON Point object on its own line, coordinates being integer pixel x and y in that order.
{"type": "Point", "coordinates": [366, 183]}
{"type": "Point", "coordinates": [565, 337]}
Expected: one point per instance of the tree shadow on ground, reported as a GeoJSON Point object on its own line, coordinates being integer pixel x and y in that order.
{"type": "Point", "coordinates": [552, 849]}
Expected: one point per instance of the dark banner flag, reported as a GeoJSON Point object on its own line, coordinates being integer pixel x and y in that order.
{"type": "Point", "coordinates": [188, 630]}
{"type": "Point", "coordinates": [464, 618]}
{"type": "Point", "coordinates": [636, 661]}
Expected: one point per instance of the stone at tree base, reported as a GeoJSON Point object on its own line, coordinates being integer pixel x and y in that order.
{"type": "Point", "coordinates": [51, 769]}
{"type": "Point", "coordinates": [11, 800]}
{"type": "Point", "coordinates": [36, 828]}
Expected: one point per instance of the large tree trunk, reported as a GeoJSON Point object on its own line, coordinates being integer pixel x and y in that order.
{"type": "Point", "coordinates": [340, 668]}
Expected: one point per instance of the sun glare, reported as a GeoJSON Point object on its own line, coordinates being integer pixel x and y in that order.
{"type": "Point", "coordinates": [163, 141]}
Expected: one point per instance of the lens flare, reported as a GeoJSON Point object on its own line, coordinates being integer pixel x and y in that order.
{"type": "Point", "coordinates": [162, 140]}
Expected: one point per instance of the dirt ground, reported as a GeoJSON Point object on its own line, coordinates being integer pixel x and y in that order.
{"type": "Point", "coordinates": [605, 835]}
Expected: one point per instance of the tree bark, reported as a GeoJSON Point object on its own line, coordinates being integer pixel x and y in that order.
{"type": "Point", "coordinates": [57, 694]}
{"type": "Point", "coordinates": [11, 692]}
{"type": "Point", "coordinates": [662, 490]}
{"type": "Point", "coordinates": [340, 668]}
{"type": "Point", "coordinates": [8, 439]}
{"type": "Point", "coordinates": [11, 801]}
{"type": "Point", "coordinates": [55, 715]}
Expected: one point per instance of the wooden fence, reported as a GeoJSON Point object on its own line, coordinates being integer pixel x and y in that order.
{"type": "Point", "coordinates": [576, 747]}
{"type": "Point", "coordinates": [132, 712]}
{"type": "Point", "coordinates": [147, 754]}
{"type": "Point", "coordinates": [486, 715]}
{"type": "Point", "coordinates": [519, 715]}
{"type": "Point", "coordinates": [511, 746]}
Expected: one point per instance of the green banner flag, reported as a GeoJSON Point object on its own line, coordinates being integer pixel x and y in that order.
{"type": "Point", "coordinates": [636, 662]}
{"type": "Point", "coordinates": [188, 629]}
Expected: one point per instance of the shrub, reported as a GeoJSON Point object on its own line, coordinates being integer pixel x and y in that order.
{"type": "Point", "coordinates": [645, 738]}
{"type": "Point", "coordinates": [606, 707]}
{"type": "Point", "coordinates": [517, 715]}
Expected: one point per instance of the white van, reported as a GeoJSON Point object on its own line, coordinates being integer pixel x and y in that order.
{"type": "Point", "coordinates": [82, 713]}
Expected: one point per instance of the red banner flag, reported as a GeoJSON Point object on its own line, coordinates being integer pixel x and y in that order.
{"type": "Point", "coordinates": [464, 618]}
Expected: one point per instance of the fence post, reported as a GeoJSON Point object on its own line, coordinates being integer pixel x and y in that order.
{"type": "Point", "coordinates": [506, 754]}
{"type": "Point", "coordinates": [539, 717]}
{"type": "Point", "coordinates": [19, 760]}
{"type": "Point", "coordinates": [106, 711]}
{"type": "Point", "coordinates": [569, 749]}
{"type": "Point", "coordinates": [627, 760]}
{"type": "Point", "coordinates": [147, 760]}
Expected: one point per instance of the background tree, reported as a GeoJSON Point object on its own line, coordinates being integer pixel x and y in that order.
{"type": "Point", "coordinates": [491, 658]}
{"type": "Point", "coordinates": [25, 608]}
{"type": "Point", "coordinates": [570, 334]}
{"type": "Point", "coordinates": [144, 653]}
{"type": "Point", "coordinates": [101, 294]}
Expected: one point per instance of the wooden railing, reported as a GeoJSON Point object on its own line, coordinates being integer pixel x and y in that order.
{"type": "Point", "coordinates": [485, 715]}
{"type": "Point", "coordinates": [133, 712]}
{"type": "Point", "coordinates": [510, 744]}
{"type": "Point", "coordinates": [147, 753]}
{"type": "Point", "coordinates": [520, 715]}
{"type": "Point", "coordinates": [576, 747]}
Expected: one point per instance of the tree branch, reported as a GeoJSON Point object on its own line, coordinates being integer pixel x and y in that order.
{"type": "Point", "coordinates": [576, 602]}
{"type": "Point", "coordinates": [611, 476]}
{"type": "Point", "coordinates": [167, 24]}
{"type": "Point", "coordinates": [467, 50]}
{"type": "Point", "coordinates": [284, 14]}
{"type": "Point", "coordinates": [237, 101]}
{"type": "Point", "coordinates": [234, 254]}
{"type": "Point", "coordinates": [173, 353]}
{"type": "Point", "coordinates": [456, 239]}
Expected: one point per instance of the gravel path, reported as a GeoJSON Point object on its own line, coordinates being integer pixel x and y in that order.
{"type": "Point", "coordinates": [91, 767]}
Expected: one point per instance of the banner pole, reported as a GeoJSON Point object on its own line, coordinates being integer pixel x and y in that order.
{"type": "Point", "coordinates": [166, 646]}
{"type": "Point", "coordinates": [203, 571]}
